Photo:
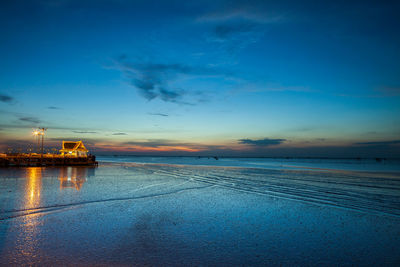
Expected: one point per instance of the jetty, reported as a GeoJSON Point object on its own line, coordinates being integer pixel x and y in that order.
{"type": "Point", "coordinates": [37, 160]}
{"type": "Point", "coordinates": [73, 153]}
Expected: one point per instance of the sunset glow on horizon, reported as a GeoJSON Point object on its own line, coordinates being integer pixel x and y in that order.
{"type": "Point", "coordinates": [209, 78]}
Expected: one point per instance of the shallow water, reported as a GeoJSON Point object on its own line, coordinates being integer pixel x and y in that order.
{"type": "Point", "coordinates": [366, 164]}
{"type": "Point", "coordinates": [165, 214]}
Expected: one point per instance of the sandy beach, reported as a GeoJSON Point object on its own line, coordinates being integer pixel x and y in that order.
{"type": "Point", "coordinates": [129, 214]}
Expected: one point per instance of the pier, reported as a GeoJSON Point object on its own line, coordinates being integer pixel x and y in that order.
{"type": "Point", "coordinates": [72, 153]}
{"type": "Point", "coordinates": [37, 160]}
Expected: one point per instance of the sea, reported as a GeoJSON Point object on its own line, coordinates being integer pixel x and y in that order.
{"type": "Point", "coordinates": [202, 211]}
{"type": "Point", "coordinates": [350, 164]}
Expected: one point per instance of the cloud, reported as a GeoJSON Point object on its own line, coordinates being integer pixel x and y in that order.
{"type": "Point", "coordinates": [158, 114]}
{"type": "Point", "coordinates": [233, 36]}
{"type": "Point", "coordinates": [257, 87]}
{"type": "Point", "coordinates": [240, 23]}
{"type": "Point", "coordinates": [49, 125]}
{"type": "Point", "coordinates": [30, 119]}
{"type": "Point", "coordinates": [389, 91]}
{"type": "Point", "coordinates": [84, 132]}
{"type": "Point", "coordinates": [225, 31]}
{"type": "Point", "coordinates": [379, 143]}
{"type": "Point", "coordinates": [152, 80]}
{"type": "Point", "coordinates": [6, 99]}
{"type": "Point", "coordinates": [243, 11]}
{"type": "Point", "coordinates": [155, 143]}
{"type": "Point", "coordinates": [172, 144]}
{"type": "Point", "coordinates": [119, 134]}
{"type": "Point", "coordinates": [261, 142]}
{"type": "Point", "coordinates": [52, 107]}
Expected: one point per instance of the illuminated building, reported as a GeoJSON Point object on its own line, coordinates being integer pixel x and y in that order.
{"type": "Point", "coordinates": [74, 149]}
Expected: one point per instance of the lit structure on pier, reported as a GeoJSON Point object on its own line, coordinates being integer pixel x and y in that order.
{"type": "Point", "coordinates": [74, 149]}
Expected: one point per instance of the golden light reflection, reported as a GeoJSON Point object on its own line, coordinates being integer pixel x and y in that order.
{"type": "Point", "coordinates": [28, 237]}
{"type": "Point", "coordinates": [29, 231]}
{"type": "Point", "coordinates": [72, 177]}
{"type": "Point", "coordinates": [33, 187]}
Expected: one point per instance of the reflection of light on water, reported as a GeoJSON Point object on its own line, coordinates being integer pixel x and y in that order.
{"type": "Point", "coordinates": [29, 232]}
{"type": "Point", "coordinates": [28, 229]}
{"type": "Point", "coordinates": [34, 185]}
{"type": "Point", "coordinates": [72, 177]}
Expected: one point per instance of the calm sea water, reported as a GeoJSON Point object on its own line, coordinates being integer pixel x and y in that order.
{"type": "Point", "coordinates": [376, 165]}
{"type": "Point", "coordinates": [135, 211]}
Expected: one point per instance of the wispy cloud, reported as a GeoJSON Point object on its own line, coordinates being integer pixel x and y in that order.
{"type": "Point", "coordinates": [84, 132]}
{"type": "Point", "coordinates": [152, 80]}
{"type": "Point", "coordinates": [156, 143]}
{"type": "Point", "coordinates": [165, 145]}
{"type": "Point", "coordinates": [257, 87]}
{"type": "Point", "coordinates": [379, 143]}
{"type": "Point", "coordinates": [53, 107]}
{"type": "Point", "coordinates": [261, 142]}
{"type": "Point", "coordinates": [389, 91]}
{"type": "Point", "coordinates": [240, 25]}
{"type": "Point", "coordinates": [226, 31]}
{"type": "Point", "coordinates": [244, 11]}
{"type": "Point", "coordinates": [234, 36]}
{"type": "Point", "coordinates": [119, 134]}
{"type": "Point", "coordinates": [6, 99]}
{"type": "Point", "coordinates": [30, 119]}
{"type": "Point", "coordinates": [158, 114]}
{"type": "Point", "coordinates": [379, 92]}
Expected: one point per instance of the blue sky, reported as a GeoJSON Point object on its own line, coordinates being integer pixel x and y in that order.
{"type": "Point", "coordinates": [254, 78]}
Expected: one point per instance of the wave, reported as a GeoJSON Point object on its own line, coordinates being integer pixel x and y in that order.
{"type": "Point", "coordinates": [368, 192]}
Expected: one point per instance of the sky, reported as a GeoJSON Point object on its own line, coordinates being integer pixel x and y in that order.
{"type": "Point", "coordinates": [217, 78]}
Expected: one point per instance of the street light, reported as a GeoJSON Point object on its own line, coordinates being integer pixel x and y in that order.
{"type": "Point", "coordinates": [36, 133]}
{"type": "Point", "coordinates": [40, 132]}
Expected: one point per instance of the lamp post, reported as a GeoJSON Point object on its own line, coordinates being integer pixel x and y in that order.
{"type": "Point", "coordinates": [40, 132]}
{"type": "Point", "coordinates": [36, 133]}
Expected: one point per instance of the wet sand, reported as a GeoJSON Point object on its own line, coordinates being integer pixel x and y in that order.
{"type": "Point", "coordinates": [149, 214]}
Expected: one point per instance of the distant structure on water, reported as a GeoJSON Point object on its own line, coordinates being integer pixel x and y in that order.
{"type": "Point", "coordinates": [73, 153]}
{"type": "Point", "coordinates": [75, 149]}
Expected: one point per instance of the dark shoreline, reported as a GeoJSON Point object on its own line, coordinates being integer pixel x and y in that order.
{"type": "Point", "coordinates": [26, 160]}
